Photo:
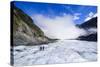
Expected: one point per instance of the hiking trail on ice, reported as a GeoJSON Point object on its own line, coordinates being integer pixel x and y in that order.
{"type": "Point", "coordinates": [62, 51]}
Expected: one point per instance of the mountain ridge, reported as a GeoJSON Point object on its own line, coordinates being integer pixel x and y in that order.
{"type": "Point", "coordinates": [25, 32]}
{"type": "Point", "coordinates": [90, 24]}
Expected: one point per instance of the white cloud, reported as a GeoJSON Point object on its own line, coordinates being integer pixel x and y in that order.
{"type": "Point", "coordinates": [61, 27]}
{"type": "Point", "coordinates": [92, 30]}
{"type": "Point", "coordinates": [95, 15]}
{"type": "Point", "coordinates": [90, 16]}
{"type": "Point", "coordinates": [77, 16]}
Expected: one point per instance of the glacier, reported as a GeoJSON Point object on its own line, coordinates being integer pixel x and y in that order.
{"type": "Point", "coordinates": [62, 51]}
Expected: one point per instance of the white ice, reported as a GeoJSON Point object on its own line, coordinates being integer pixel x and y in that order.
{"type": "Point", "coordinates": [62, 51]}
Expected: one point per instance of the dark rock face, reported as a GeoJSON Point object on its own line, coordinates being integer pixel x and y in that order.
{"type": "Point", "coordinates": [92, 23]}
{"type": "Point", "coordinates": [25, 32]}
{"type": "Point", "coordinates": [91, 37]}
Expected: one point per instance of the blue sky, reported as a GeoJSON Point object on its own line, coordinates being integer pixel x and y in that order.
{"type": "Point", "coordinates": [80, 12]}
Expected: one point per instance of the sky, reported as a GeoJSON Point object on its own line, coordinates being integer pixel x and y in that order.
{"type": "Point", "coordinates": [58, 20]}
{"type": "Point", "coordinates": [80, 12]}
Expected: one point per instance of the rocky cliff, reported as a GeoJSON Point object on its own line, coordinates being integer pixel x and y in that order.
{"type": "Point", "coordinates": [91, 28]}
{"type": "Point", "coordinates": [92, 23]}
{"type": "Point", "coordinates": [25, 32]}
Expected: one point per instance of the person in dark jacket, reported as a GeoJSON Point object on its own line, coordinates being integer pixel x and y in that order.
{"type": "Point", "coordinates": [41, 48]}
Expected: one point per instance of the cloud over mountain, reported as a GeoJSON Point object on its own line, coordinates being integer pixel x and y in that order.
{"type": "Point", "coordinates": [61, 27]}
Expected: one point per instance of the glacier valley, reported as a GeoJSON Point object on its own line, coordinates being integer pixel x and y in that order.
{"type": "Point", "coordinates": [62, 51]}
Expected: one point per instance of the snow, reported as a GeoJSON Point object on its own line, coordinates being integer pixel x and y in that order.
{"type": "Point", "coordinates": [62, 51]}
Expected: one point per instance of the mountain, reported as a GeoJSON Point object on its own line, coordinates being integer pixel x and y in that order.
{"type": "Point", "coordinates": [92, 23]}
{"type": "Point", "coordinates": [91, 28]}
{"type": "Point", "coordinates": [25, 32]}
{"type": "Point", "coordinates": [91, 37]}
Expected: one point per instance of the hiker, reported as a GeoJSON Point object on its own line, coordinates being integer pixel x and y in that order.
{"type": "Point", "coordinates": [41, 48]}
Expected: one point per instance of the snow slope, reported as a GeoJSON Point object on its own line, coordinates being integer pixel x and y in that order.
{"type": "Point", "coordinates": [62, 51]}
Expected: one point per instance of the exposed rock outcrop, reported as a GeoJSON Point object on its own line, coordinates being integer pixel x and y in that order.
{"type": "Point", "coordinates": [25, 32]}
{"type": "Point", "coordinates": [91, 27]}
